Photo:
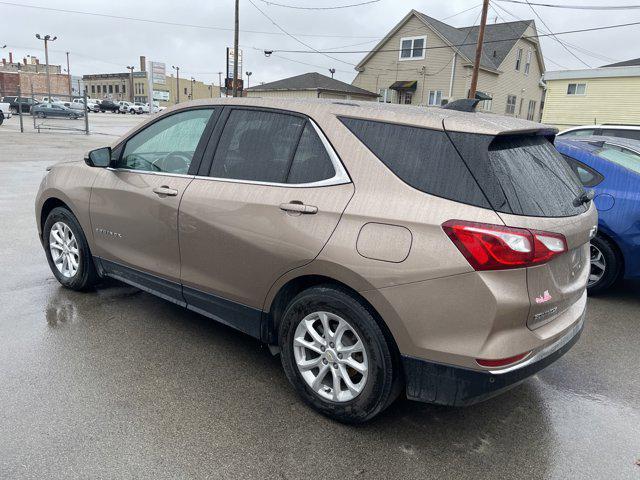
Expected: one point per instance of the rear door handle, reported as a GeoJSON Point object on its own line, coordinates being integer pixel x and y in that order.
{"type": "Point", "coordinates": [165, 191]}
{"type": "Point", "coordinates": [298, 207]}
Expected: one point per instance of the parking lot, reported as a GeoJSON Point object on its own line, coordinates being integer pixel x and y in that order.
{"type": "Point", "coordinates": [117, 383]}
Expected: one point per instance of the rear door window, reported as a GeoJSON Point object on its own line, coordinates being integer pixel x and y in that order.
{"type": "Point", "coordinates": [311, 162]}
{"type": "Point", "coordinates": [534, 178]}
{"type": "Point", "coordinates": [257, 145]}
{"type": "Point", "coordinates": [424, 159]}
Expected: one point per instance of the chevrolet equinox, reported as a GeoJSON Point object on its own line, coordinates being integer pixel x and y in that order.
{"type": "Point", "coordinates": [379, 249]}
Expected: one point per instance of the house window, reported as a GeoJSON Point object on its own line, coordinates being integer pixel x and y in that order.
{"type": "Point", "coordinates": [435, 98]}
{"type": "Point", "coordinates": [110, 88]}
{"type": "Point", "coordinates": [117, 88]}
{"type": "Point", "coordinates": [99, 89]}
{"type": "Point", "coordinates": [185, 90]}
{"type": "Point", "coordinates": [527, 65]}
{"type": "Point", "coordinates": [576, 89]}
{"type": "Point", "coordinates": [511, 105]}
{"type": "Point", "coordinates": [123, 89]}
{"type": "Point", "coordinates": [385, 95]}
{"type": "Point", "coordinates": [518, 59]}
{"type": "Point", "coordinates": [93, 89]}
{"type": "Point", "coordinates": [406, 97]}
{"type": "Point", "coordinates": [487, 105]}
{"type": "Point", "coordinates": [412, 48]}
{"type": "Point", "coordinates": [532, 110]}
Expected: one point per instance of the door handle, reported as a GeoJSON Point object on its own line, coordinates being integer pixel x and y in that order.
{"type": "Point", "coordinates": [165, 191]}
{"type": "Point", "coordinates": [298, 207]}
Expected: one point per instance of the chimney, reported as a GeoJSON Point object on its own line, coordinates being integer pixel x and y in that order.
{"type": "Point", "coordinates": [143, 63]}
{"type": "Point", "coordinates": [10, 57]}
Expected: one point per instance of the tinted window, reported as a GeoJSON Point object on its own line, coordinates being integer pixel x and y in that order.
{"type": "Point", "coordinates": [425, 159]}
{"type": "Point", "coordinates": [534, 177]}
{"type": "Point", "coordinates": [616, 132]}
{"type": "Point", "coordinates": [167, 145]}
{"type": "Point", "coordinates": [311, 162]}
{"type": "Point", "coordinates": [257, 145]}
{"type": "Point", "coordinates": [587, 176]}
{"type": "Point", "coordinates": [620, 156]}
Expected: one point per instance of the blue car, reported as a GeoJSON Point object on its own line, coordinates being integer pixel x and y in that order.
{"type": "Point", "coordinates": [611, 167]}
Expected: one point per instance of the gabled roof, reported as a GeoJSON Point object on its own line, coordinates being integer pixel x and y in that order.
{"type": "Point", "coordinates": [498, 37]}
{"type": "Point", "coordinates": [312, 81]}
{"type": "Point", "coordinates": [627, 63]}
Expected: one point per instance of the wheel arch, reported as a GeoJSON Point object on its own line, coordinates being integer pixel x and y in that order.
{"type": "Point", "coordinates": [610, 237]}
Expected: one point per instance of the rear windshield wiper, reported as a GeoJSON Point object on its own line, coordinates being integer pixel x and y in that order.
{"type": "Point", "coordinates": [584, 197]}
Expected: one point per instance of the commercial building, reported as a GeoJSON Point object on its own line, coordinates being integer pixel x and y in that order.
{"type": "Point", "coordinates": [133, 86]}
{"type": "Point", "coordinates": [609, 94]}
{"type": "Point", "coordinates": [30, 76]}
{"type": "Point", "coordinates": [310, 85]}
{"type": "Point", "coordinates": [423, 61]}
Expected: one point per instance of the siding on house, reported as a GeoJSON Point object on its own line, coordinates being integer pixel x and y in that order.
{"type": "Point", "coordinates": [383, 68]}
{"type": "Point", "coordinates": [607, 100]}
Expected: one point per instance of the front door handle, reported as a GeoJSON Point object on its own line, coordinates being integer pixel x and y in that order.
{"type": "Point", "coordinates": [165, 191]}
{"type": "Point", "coordinates": [299, 208]}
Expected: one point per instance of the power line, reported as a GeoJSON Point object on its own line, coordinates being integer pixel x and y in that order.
{"type": "Point", "coordinates": [576, 7]}
{"type": "Point", "coordinates": [460, 13]}
{"type": "Point", "coordinates": [295, 38]}
{"type": "Point", "coordinates": [337, 7]}
{"type": "Point", "coordinates": [556, 38]}
{"type": "Point", "coordinates": [566, 32]}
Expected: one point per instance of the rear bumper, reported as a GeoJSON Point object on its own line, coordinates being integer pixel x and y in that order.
{"type": "Point", "coordinates": [448, 385]}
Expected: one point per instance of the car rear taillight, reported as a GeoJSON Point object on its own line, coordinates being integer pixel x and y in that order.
{"type": "Point", "coordinates": [495, 247]}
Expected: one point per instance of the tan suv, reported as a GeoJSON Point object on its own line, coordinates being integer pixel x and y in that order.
{"type": "Point", "coordinates": [379, 248]}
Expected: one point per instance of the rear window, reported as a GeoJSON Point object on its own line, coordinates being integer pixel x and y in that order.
{"type": "Point", "coordinates": [534, 178]}
{"type": "Point", "coordinates": [425, 159]}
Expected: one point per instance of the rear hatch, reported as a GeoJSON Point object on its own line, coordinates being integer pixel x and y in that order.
{"type": "Point", "coordinates": [530, 186]}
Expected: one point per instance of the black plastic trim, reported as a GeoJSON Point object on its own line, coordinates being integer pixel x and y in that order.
{"type": "Point", "coordinates": [455, 386]}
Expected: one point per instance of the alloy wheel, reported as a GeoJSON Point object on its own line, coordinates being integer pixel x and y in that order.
{"type": "Point", "coordinates": [598, 266]}
{"type": "Point", "coordinates": [330, 356]}
{"type": "Point", "coordinates": [64, 249]}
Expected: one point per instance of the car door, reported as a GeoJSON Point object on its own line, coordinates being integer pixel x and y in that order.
{"type": "Point", "coordinates": [134, 203]}
{"type": "Point", "coordinates": [270, 192]}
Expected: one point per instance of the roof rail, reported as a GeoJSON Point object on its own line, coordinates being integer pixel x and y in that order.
{"type": "Point", "coordinates": [463, 105]}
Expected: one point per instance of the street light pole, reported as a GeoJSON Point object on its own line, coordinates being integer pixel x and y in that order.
{"type": "Point", "coordinates": [68, 75]}
{"type": "Point", "coordinates": [332, 71]}
{"type": "Point", "coordinates": [248, 76]}
{"type": "Point", "coordinates": [220, 83]}
{"type": "Point", "coordinates": [130, 68]}
{"type": "Point", "coordinates": [47, 39]}
{"type": "Point", "coordinates": [192, 82]}
{"type": "Point", "coordinates": [235, 49]}
{"type": "Point", "coordinates": [177, 69]}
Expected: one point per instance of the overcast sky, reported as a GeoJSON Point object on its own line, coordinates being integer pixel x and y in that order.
{"type": "Point", "coordinates": [102, 45]}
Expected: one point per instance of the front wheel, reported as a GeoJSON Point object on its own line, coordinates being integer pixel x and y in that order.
{"type": "Point", "coordinates": [67, 250]}
{"type": "Point", "coordinates": [41, 115]}
{"type": "Point", "coordinates": [606, 265]}
{"type": "Point", "coordinates": [336, 356]}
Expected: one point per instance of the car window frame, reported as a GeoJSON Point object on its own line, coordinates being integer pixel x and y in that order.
{"type": "Point", "coordinates": [341, 176]}
{"type": "Point", "coordinates": [574, 163]}
{"type": "Point", "coordinates": [117, 151]}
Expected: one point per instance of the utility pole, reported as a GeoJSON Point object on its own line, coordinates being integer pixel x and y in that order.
{"type": "Point", "coordinates": [476, 65]}
{"type": "Point", "coordinates": [130, 68]}
{"type": "Point", "coordinates": [47, 39]}
{"type": "Point", "coordinates": [248, 74]}
{"type": "Point", "coordinates": [192, 82]}
{"type": "Point", "coordinates": [235, 49]}
{"type": "Point", "coordinates": [177, 69]}
{"type": "Point", "coordinates": [68, 75]}
{"type": "Point", "coordinates": [220, 83]}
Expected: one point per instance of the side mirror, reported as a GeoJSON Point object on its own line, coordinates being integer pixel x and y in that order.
{"type": "Point", "coordinates": [100, 157]}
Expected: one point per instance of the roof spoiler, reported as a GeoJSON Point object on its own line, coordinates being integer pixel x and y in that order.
{"type": "Point", "coordinates": [463, 105]}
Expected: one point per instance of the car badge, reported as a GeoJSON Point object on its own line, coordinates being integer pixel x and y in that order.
{"type": "Point", "coordinates": [545, 297]}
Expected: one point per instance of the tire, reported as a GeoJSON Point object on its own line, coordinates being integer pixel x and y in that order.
{"type": "Point", "coordinates": [1, 118]}
{"type": "Point", "coordinates": [383, 374]}
{"type": "Point", "coordinates": [604, 258]}
{"type": "Point", "coordinates": [41, 115]}
{"type": "Point", "coordinates": [85, 275]}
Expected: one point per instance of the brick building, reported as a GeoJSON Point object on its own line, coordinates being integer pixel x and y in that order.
{"type": "Point", "coordinates": [30, 75]}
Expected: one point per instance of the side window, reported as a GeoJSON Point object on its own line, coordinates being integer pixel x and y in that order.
{"type": "Point", "coordinates": [621, 156]}
{"type": "Point", "coordinates": [167, 145]}
{"type": "Point", "coordinates": [311, 162]}
{"type": "Point", "coordinates": [587, 176]}
{"type": "Point", "coordinates": [619, 132]}
{"type": "Point", "coordinates": [585, 132]}
{"type": "Point", "coordinates": [257, 145]}
{"type": "Point", "coordinates": [424, 159]}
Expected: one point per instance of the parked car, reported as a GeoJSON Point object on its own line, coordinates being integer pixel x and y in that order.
{"type": "Point", "coordinates": [624, 131]}
{"type": "Point", "coordinates": [377, 248]}
{"type": "Point", "coordinates": [78, 106]}
{"type": "Point", "coordinates": [92, 105]}
{"type": "Point", "coordinates": [125, 107]}
{"type": "Point", "coordinates": [45, 110]}
{"type": "Point", "coordinates": [139, 107]}
{"type": "Point", "coordinates": [26, 103]}
{"type": "Point", "coordinates": [55, 100]}
{"type": "Point", "coordinates": [109, 106]}
{"type": "Point", "coordinates": [5, 111]}
{"type": "Point", "coordinates": [611, 167]}
{"type": "Point", "coordinates": [156, 106]}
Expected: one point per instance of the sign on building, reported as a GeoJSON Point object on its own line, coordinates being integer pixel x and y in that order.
{"type": "Point", "coordinates": [161, 95]}
{"type": "Point", "coordinates": [230, 63]}
{"type": "Point", "coordinates": [159, 73]}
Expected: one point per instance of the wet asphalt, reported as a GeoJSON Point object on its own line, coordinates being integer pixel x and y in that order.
{"type": "Point", "coordinates": [118, 384]}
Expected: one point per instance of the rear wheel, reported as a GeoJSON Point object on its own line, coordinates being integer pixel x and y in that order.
{"type": "Point", "coordinates": [336, 356]}
{"type": "Point", "coordinates": [606, 265]}
{"type": "Point", "coordinates": [67, 250]}
{"type": "Point", "coordinates": [41, 115]}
